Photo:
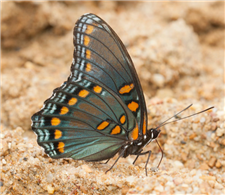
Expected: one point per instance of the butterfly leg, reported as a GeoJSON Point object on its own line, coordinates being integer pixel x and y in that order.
{"type": "Point", "coordinates": [149, 154]}
{"type": "Point", "coordinates": [106, 161]}
{"type": "Point", "coordinates": [139, 154]}
{"type": "Point", "coordinates": [161, 152]}
{"type": "Point", "coordinates": [121, 154]}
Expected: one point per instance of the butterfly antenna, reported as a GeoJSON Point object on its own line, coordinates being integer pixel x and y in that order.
{"type": "Point", "coordinates": [165, 122]}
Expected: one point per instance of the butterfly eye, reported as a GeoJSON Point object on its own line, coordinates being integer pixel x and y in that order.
{"type": "Point", "coordinates": [152, 134]}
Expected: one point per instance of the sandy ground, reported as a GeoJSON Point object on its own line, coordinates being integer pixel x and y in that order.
{"type": "Point", "coordinates": [178, 51]}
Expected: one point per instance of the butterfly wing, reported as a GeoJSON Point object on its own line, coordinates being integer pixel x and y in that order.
{"type": "Point", "coordinates": [101, 106]}
{"type": "Point", "coordinates": [78, 122]}
{"type": "Point", "coordinates": [110, 63]}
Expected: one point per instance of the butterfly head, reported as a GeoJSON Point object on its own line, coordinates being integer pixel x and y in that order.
{"type": "Point", "coordinates": [153, 133]}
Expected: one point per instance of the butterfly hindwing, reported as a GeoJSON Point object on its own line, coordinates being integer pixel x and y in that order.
{"type": "Point", "coordinates": [71, 121]}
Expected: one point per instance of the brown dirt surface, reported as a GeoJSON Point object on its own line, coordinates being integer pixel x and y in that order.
{"type": "Point", "coordinates": [178, 51]}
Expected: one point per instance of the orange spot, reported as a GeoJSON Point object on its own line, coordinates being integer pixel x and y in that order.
{"type": "Point", "coordinates": [134, 133]}
{"type": "Point", "coordinates": [144, 127]}
{"type": "Point", "coordinates": [133, 106]}
{"type": "Point", "coordinates": [116, 130]}
{"type": "Point", "coordinates": [88, 67]}
{"type": "Point", "coordinates": [89, 29]}
{"type": "Point", "coordinates": [86, 40]}
{"type": "Point", "coordinates": [72, 101]}
{"type": "Point", "coordinates": [83, 93]}
{"type": "Point", "coordinates": [122, 119]}
{"type": "Point", "coordinates": [97, 89]}
{"type": "Point", "coordinates": [88, 54]}
{"type": "Point", "coordinates": [58, 134]}
{"type": "Point", "coordinates": [126, 88]}
{"type": "Point", "coordinates": [61, 147]}
{"type": "Point", "coordinates": [55, 121]}
{"type": "Point", "coordinates": [64, 110]}
{"type": "Point", "coordinates": [103, 125]}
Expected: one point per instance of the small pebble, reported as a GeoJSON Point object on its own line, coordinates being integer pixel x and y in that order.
{"type": "Point", "coordinates": [154, 169]}
{"type": "Point", "coordinates": [169, 183]}
{"type": "Point", "coordinates": [49, 177]}
{"type": "Point", "coordinates": [213, 126]}
{"type": "Point", "coordinates": [9, 145]}
{"type": "Point", "coordinates": [159, 188]}
{"type": "Point", "coordinates": [207, 177]}
{"type": "Point", "coordinates": [192, 136]}
{"type": "Point", "coordinates": [3, 161]}
{"type": "Point", "coordinates": [202, 120]}
{"type": "Point", "coordinates": [130, 179]}
{"type": "Point", "coordinates": [220, 132]}
{"type": "Point", "coordinates": [193, 172]}
{"type": "Point", "coordinates": [223, 142]}
{"type": "Point", "coordinates": [216, 119]}
{"type": "Point", "coordinates": [3, 147]}
{"type": "Point", "coordinates": [212, 162]}
{"type": "Point", "coordinates": [204, 166]}
{"type": "Point", "coordinates": [184, 156]}
{"type": "Point", "coordinates": [178, 164]}
{"type": "Point", "coordinates": [218, 164]}
{"type": "Point", "coordinates": [86, 168]}
{"type": "Point", "coordinates": [218, 186]}
{"type": "Point", "coordinates": [183, 142]}
{"type": "Point", "coordinates": [158, 80]}
{"type": "Point", "coordinates": [184, 186]}
{"type": "Point", "coordinates": [178, 180]}
{"type": "Point", "coordinates": [50, 189]}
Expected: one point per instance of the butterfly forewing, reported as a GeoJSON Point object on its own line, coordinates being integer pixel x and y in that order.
{"type": "Point", "coordinates": [107, 58]}
{"type": "Point", "coordinates": [101, 106]}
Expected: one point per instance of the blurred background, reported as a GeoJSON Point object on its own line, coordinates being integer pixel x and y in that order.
{"type": "Point", "coordinates": [171, 44]}
{"type": "Point", "coordinates": [177, 49]}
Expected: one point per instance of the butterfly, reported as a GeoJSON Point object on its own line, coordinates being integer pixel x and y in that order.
{"type": "Point", "coordinates": [100, 110]}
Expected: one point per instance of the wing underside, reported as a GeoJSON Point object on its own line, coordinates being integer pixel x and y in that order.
{"type": "Point", "coordinates": [101, 106]}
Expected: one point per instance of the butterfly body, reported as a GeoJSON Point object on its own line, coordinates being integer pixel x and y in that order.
{"type": "Point", "coordinates": [100, 110]}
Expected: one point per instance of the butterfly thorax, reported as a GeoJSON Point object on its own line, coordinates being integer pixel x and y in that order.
{"type": "Point", "coordinates": [132, 148]}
